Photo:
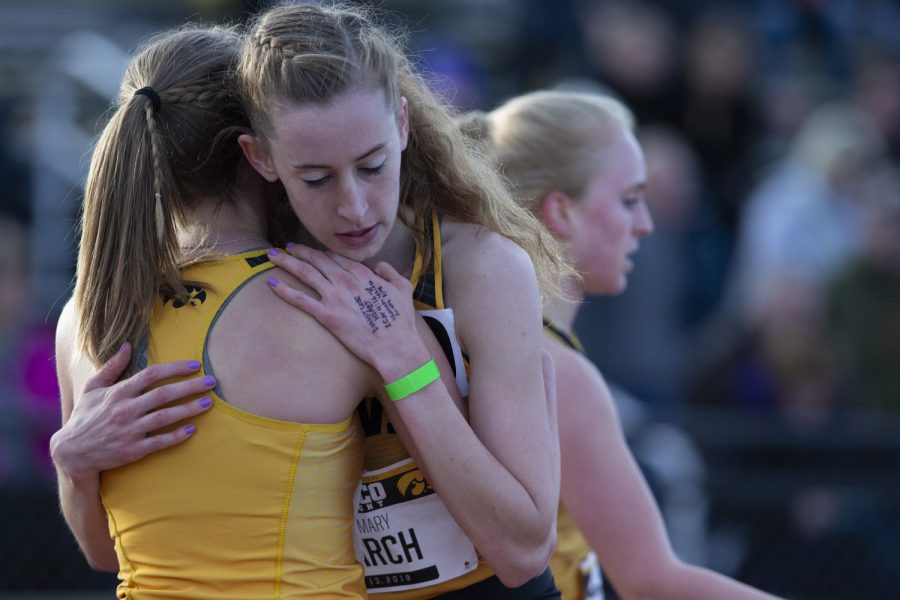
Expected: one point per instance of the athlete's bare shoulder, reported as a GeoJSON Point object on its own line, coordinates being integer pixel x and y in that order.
{"type": "Point", "coordinates": [471, 248]}
{"type": "Point", "coordinates": [309, 375]}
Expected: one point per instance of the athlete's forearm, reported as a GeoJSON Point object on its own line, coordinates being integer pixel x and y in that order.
{"type": "Point", "coordinates": [510, 525]}
{"type": "Point", "coordinates": [680, 581]}
{"type": "Point", "coordinates": [79, 498]}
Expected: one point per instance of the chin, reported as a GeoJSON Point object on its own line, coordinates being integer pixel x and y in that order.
{"type": "Point", "coordinates": [613, 288]}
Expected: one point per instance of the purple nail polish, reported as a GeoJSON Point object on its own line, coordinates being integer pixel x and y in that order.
{"type": "Point", "coordinates": [273, 251]}
{"type": "Point", "coordinates": [190, 429]}
{"type": "Point", "coordinates": [273, 282]}
{"type": "Point", "coordinates": [206, 402]}
{"type": "Point", "coordinates": [209, 381]}
{"type": "Point", "coordinates": [290, 245]}
{"type": "Point", "coordinates": [193, 364]}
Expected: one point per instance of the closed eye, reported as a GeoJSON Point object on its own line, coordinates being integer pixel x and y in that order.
{"type": "Point", "coordinates": [373, 170]}
{"type": "Point", "coordinates": [317, 182]}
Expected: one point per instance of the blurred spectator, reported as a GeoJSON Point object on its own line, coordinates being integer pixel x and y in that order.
{"type": "Point", "coordinates": [803, 220]}
{"type": "Point", "coordinates": [718, 110]}
{"type": "Point", "coordinates": [864, 300]}
{"type": "Point", "coordinates": [13, 166]}
{"type": "Point", "coordinates": [632, 48]}
{"type": "Point", "coordinates": [29, 411]}
{"type": "Point", "coordinates": [807, 36]}
{"type": "Point", "coordinates": [801, 227]}
{"type": "Point", "coordinates": [782, 366]}
{"type": "Point", "coordinates": [549, 46]}
{"type": "Point", "coordinates": [876, 90]}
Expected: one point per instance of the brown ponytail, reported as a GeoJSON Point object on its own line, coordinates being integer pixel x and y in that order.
{"type": "Point", "coordinates": [154, 156]}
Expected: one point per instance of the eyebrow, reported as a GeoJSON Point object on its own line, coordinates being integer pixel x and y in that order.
{"type": "Point", "coordinates": [362, 156]}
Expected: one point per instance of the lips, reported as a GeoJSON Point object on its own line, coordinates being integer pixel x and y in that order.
{"type": "Point", "coordinates": [359, 237]}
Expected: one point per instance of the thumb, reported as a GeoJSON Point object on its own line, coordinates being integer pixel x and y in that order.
{"type": "Point", "coordinates": [109, 373]}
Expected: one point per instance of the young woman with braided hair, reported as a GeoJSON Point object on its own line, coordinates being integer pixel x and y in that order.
{"type": "Point", "coordinates": [237, 484]}
{"type": "Point", "coordinates": [574, 162]}
{"type": "Point", "coordinates": [397, 204]}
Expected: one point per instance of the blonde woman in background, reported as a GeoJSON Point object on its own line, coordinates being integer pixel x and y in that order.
{"type": "Point", "coordinates": [574, 161]}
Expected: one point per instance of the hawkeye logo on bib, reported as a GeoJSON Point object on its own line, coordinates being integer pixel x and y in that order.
{"type": "Point", "coordinates": [404, 534]}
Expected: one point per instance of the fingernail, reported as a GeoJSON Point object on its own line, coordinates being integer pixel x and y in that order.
{"type": "Point", "coordinates": [273, 251]}
{"type": "Point", "coordinates": [209, 381]}
{"type": "Point", "coordinates": [273, 282]}
{"type": "Point", "coordinates": [290, 245]}
{"type": "Point", "coordinates": [193, 364]}
{"type": "Point", "coordinates": [190, 429]}
{"type": "Point", "coordinates": [206, 402]}
{"type": "Point", "coordinates": [122, 347]}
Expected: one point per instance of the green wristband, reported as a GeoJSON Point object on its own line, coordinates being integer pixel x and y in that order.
{"type": "Point", "coordinates": [413, 382]}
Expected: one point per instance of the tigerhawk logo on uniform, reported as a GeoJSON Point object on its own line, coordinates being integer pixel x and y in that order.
{"type": "Point", "coordinates": [196, 297]}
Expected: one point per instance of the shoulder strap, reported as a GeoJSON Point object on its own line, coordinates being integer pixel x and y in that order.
{"type": "Point", "coordinates": [566, 337]}
{"type": "Point", "coordinates": [429, 284]}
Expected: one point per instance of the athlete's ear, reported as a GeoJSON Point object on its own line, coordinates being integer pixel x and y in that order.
{"type": "Point", "coordinates": [258, 156]}
{"type": "Point", "coordinates": [403, 123]}
{"type": "Point", "coordinates": [557, 211]}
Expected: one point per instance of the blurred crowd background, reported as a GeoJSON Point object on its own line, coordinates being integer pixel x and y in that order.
{"type": "Point", "coordinates": [756, 353]}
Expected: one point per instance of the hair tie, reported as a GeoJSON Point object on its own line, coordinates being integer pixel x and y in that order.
{"type": "Point", "coordinates": [150, 93]}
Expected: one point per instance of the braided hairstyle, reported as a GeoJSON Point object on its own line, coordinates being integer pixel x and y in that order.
{"type": "Point", "coordinates": [159, 151]}
{"type": "Point", "coordinates": [307, 54]}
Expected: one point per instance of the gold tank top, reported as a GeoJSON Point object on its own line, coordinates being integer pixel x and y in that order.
{"type": "Point", "coordinates": [249, 507]}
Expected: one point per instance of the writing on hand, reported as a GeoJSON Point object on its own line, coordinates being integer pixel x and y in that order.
{"type": "Point", "coordinates": [377, 307]}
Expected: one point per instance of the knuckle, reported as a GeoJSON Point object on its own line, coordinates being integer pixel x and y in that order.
{"type": "Point", "coordinates": [157, 420]}
{"type": "Point", "coordinates": [119, 414]}
{"type": "Point", "coordinates": [154, 443]}
{"type": "Point", "coordinates": [132, 453]}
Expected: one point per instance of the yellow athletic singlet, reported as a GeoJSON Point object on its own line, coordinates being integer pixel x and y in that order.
{"type": "Point", "coordinates": [249, 507]}
{"type": "Point", "coordinates": [574, 564]}
{"type": "Point", "coordinates": [409, 543]}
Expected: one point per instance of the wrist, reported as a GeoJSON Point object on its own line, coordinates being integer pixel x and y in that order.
{"type": "Point", "coordinates": [414, 381]}
{"type": "Point", "coordinates": [399, 363]}
{"type": "Point", "coordinates": [67, 463]}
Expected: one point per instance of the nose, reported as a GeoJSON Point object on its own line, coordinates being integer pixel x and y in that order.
{"type": "Point", "coordinates": [643, 223]}
{"type": "Point", "coordinates": [352, 204]}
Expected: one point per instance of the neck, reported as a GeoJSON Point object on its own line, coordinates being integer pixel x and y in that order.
{"type": "Point", "coordinates": [562, 312]}
{"type": "Point", "coordinates": [399, 250]}
{"type": "Point", "coordinates": [230, 227]}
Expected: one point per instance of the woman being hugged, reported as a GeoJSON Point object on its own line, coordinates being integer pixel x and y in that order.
{"type": "Point", "coordinates": [396, 204]}
{"type": "Point", "coordinates": [251, 497]}
{"type": "Point", "coordinates": [574, 162]}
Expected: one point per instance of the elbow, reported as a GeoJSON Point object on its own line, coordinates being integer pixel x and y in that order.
{"type": "Point", "coordinates": [518, 574]}
{"type": "Point", "coordinates": [101, 559]}
{"type": "Point", "coordinates": [647, 583]}
{"type": "Point", "coordinates": [525, 563]}
{"type": "Point", "coordinates": [103, 565]}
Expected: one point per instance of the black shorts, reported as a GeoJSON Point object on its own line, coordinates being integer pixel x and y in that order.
{"type": "Point", "coordinates": [541, 587]}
